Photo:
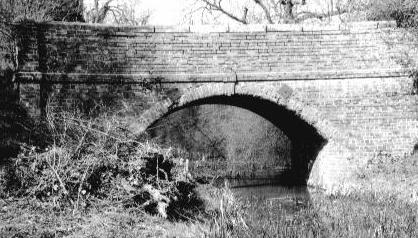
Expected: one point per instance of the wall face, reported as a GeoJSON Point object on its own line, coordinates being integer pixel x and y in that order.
{"type": "Point", "coordinates": [346, 81]}
{"type": "Point", "coordinates": [92, 49]}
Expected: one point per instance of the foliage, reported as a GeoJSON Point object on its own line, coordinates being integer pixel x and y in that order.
{"type": "Point", "coordinates": [12, 11]}
{"type": "Point", "coordinates": [405, 12]}
{"type": "Point", "coordinates": [42, 10]}
{"type": "Point", "coordinates": [98, 159]}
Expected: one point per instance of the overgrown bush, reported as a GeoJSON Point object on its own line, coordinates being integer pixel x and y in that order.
{"type": "Point", "coordinates": [98, 159]}
{"type": "Point", "coordinates": [405, 12]}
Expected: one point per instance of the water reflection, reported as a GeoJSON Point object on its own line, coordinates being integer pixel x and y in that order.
{"type": "Point", "coordinates": [289, 199]}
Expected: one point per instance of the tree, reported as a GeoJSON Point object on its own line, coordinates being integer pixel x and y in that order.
{"type": "Point", "coordinates": [261, 10]}
{"type": "Point", "coordinates": [119, 12]}
{"type": "Point", "coordinates": [265, 11]}
{"type": "Point", "coordinates": [404, 12]}
{"type": "Point", "coordinates": [42, 10]}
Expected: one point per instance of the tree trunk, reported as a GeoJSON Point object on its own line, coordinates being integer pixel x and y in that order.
{"type": "Point", "coordinates": [266, 11]}
{"type": "Point", "coordinates": [288, 10]}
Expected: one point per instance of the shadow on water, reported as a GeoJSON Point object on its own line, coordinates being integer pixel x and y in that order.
{"type": "Point", "coordinates": [286, 198]}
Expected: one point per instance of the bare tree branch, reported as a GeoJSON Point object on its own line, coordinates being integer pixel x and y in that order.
{"type": "Point", "coordinates": [216, 6]}
{"type": "Point", "coordinates": [100, 13]}
{"type": "Point", "coordinates": [266, 10]}
{"type": "Point", "coordinates": [276, 7]}
{"type": "Point", "coordinates": [271, 10]}
{"type": "Point", "coordinates": [122, 13]}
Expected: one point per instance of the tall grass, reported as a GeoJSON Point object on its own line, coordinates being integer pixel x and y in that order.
{"type": "Point", "coordinates": [360, 216]}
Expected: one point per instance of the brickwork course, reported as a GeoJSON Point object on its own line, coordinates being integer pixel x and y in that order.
{"type": "Point", "coordinates": [351, 82]}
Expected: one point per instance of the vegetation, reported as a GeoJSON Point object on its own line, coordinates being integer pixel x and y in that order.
{"type": "Point", "coordinates": [42, 10]}
{"type": "Point", "coordinates": [271, 11]}
{"type": "Point", "coordinates": [335, 216]}
{"type": "Point", "coordinates": [85, 160]}
{"type": "Point", "coordinates": [93, 170]}
{"type": "Point", "coordinates": [296, 11]}
{"type": "Point", "coordinates": [119, 12]}
{"type": "Point", "coordinates": [405, 12]}
{"type": "Point", "coordinates": [224, 215]}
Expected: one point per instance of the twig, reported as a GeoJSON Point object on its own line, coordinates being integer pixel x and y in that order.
{"type": "Point", "coordinates": [58, 177]}
{"type": "Point", "coordinates": [81, 185]}
{"type": "Point", "coordinates": [98, 131]}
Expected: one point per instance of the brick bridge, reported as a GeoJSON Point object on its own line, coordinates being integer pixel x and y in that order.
{"type": "Point", "coordinates": [340, 93]}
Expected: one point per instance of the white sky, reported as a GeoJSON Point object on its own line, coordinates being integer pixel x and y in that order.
{"type": "Point", "coordinates": [165, 12]}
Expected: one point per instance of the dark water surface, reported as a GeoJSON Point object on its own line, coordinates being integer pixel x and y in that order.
{"type": "Point", "coordinates": [290, 199]}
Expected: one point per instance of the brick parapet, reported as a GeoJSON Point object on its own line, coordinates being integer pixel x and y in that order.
{"type": "Point", "coordinates": [94, 49]}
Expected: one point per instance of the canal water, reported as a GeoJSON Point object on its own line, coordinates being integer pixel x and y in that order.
{"type": "Point", "coordinates": [288, 198]}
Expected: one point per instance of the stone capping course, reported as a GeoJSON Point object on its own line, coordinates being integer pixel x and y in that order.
{"type": "Point", "coordinates": [352, 27]}
{"type": "Point", "coordinates": [234, 77]}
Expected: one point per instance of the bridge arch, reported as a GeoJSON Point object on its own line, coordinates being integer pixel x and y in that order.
{"type": "Point", "coordinates": [209, 93]}
{"type": "Point", "coordinates": [315, 141]}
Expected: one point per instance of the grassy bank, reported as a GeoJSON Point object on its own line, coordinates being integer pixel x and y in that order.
{"type": "Point", "coordinates": [224, 216]}
{"type": "Point", "coordinates": [27, 217]}
{"type": "Point", "coordinates": [355, 216]}
{"type": "Point", "coordinates": [390, 175]}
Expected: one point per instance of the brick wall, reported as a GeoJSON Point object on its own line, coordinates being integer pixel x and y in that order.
{"type": "Point", "coordinates": [90, 52]}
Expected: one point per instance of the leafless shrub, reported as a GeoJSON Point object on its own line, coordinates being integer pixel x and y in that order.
{"type": "Point", "coordinates": [98, 159]}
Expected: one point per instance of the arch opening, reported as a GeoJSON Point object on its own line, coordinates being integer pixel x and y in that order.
{"type": "Point", "coordinates": [304, 140]}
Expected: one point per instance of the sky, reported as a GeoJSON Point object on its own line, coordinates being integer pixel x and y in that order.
{"type": "Point", "coordinates": [165, 12]}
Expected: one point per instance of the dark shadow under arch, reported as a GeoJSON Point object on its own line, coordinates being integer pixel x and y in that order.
{"type": "Point", "coordinates": [306, 140]}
